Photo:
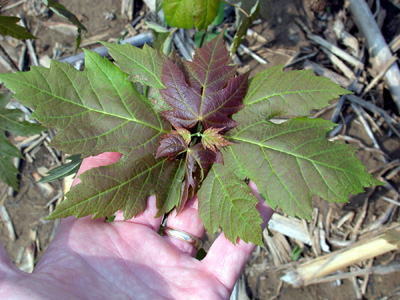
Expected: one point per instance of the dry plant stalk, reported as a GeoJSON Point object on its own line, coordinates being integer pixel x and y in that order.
{"type": "Point", "coordinates": [308, 272]}
{"type": "Point", "coordinates": [377, 46]}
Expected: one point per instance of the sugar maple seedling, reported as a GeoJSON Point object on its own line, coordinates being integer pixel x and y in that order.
{"type": "Point", "coordinates": [202, 130]}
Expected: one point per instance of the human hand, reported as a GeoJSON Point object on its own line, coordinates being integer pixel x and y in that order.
{"type": "Point", "coordinates": [92, 259]}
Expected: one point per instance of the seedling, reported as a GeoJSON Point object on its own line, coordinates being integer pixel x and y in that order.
{"type": "Point", "coordinates": [201, 130]}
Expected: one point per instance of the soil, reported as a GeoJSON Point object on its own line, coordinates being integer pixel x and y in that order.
{"type": "Point", "coordinates": [28, 206]}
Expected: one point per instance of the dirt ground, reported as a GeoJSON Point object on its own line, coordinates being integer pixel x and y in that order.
{"type": "Point", "coordinates": [284, 39]}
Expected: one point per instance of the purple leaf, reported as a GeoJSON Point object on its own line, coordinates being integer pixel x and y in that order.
{"type": "Point", "coordinates": [171, 145]}
{"type": "Point", "coordinates": [204, 90]}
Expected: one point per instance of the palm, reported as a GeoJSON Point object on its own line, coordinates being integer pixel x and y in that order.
{"type": "Point", "coordinates": [92, 259]}
{"type": "Point", "coordinates": [108, 261]}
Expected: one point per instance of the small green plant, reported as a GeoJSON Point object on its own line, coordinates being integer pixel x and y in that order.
{"type": "Point", "coordinates": [197, 128]}
{"type": "Point", "coordinates": [12, 120]}
{"type": "Point", "coordinates": [62, 11]}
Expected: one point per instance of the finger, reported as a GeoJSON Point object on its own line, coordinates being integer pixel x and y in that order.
{"type": "Point", "coordinates": [188, 221]}
{"type": "Point", "coordinates": [225, 260]}
{"type": "Point", "coordinates": [6, 264]}
{"type": "Point", "coordinates": [146, 218]}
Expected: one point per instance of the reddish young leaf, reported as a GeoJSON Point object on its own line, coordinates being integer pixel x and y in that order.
{"type": "Point", "coordinates": [180, 96]}
{"type": "Point", "coordinates": [211, 139]}
{"type": "Point", "coordinates": [211, 67]}
{"type": "Point", "coordinates": [204, 159]}
{"type": "Point", "coordinates": [185, 134]}
{"type": "Point", "coordinates": [171, 145]}
{"type": "Point", "coordinates": [198, 162]}
{"type": "Point", "coordinates": [204, 90]}
{"type": "Point", "coordinates": [228, 101]}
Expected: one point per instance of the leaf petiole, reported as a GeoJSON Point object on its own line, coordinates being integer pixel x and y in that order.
{"type": "Point", "coordinates": [238, 7]}
{"type": "Point", "coordinates": [197, 134]}
{"type": "Point", "coordinates": [203, 37]}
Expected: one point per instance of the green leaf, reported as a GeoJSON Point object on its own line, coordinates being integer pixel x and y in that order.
{"type": "Point", "coordinates": [11, 120]}
{"type": "Point", "coordinates": [162, 42]}
{"type": "Point", "coordinates": [220, 16]}
{"type": "Point", "coordinates": [142, 65]}
{"type": "Point", "coordinates": [296, 252]}
{"type": "Point", "coordinates": [205, 12]}
{"type": "Point", "coordinates": [174, 189]}
{"type": "Point", "coordinates": [244, 25]}
{"type": "Point", "coordinates": [9, 27]}
{"type": "Point", "coordinates": [162, 37]}
{"type": "Point", "coordinates": [62, 11]}
{"type": "Point", "coordinates": [226, 201]}
{"type": "Point", "coordinates": [125, 185]}
{"type": "Point", "coordinates": [7, 149]}
{"type": "Point", "coordinates": [63, 171]}
{"type": "Point", "coordinates": [274, 92]}
{"type": "Point", "coordinates": [186, 13]}
{"type": "Point", "coordinates": [157, 27]}
{"type": "Point", "coordinates": [201, 254]}
{"type": "Point", "coordinates": [179, 13]}
{"type": "Point", "coordinates": [96, 110]}
{"type": "Point", "coordinates": [157, 100]}
{"type": "Point", "coordinates": [8, 172]}
{"type": "Point", "coordinates": [293, 161]}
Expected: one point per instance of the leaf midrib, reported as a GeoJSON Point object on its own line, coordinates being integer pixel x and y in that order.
{"type": "Point", "coordinates": [13, 28]}
{"type": "Point", "coordinates": [314, 162]}
{"type": "Point", "coordinates": [217, 177]}
{"type": "Point", "coordinates": [148, 170]}
{"type": "Point", "coordinates": [284, 93]}
{"type": "Point", "coordinates": [142, 66]}
{"type": "Point", "coordinates": [92, 109]}
{"type": "Point", "coordinates": [204, 84]}
{"type": "Point", "coordinates": [9, 120]}
{"type": "Point", "coordinates": [187, 17]}
{"type": "Point", "coordinates": [274, 172]}
{"type": "Point", "coordinates": [223, 103]}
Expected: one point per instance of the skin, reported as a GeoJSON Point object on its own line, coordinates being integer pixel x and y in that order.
{"type": "Point", "coordinates": [92, 259]}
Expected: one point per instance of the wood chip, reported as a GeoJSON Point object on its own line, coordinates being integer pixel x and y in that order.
{"type": "Point", "coordinates": [7, 222]}
{"type": "Point", "coordinates": [311, 271]}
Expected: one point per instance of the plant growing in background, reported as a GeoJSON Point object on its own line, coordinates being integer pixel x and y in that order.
{"type": "Point", "coordinates": [197, 128]}
{"type": "Point", "coordinates": [12, 120]}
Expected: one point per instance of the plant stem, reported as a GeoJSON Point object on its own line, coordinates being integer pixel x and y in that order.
{"type": "Point", "coordinates": [238, 7]}
{"type": "Point", "coordinates": [196, 135]}
{"type": "Point", "coordinates": [169, 36]}
{"type": "Point", "coordinates": [9, 59]}
{"type": "Point", "coordinates": [199, 127]}
{"type": "Point", "coordinates": [203, 37]}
